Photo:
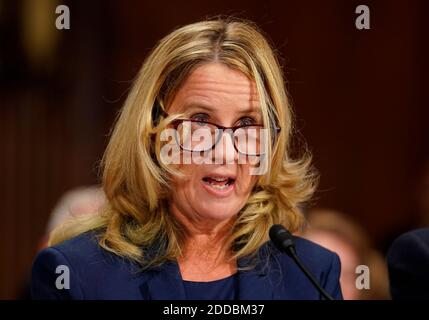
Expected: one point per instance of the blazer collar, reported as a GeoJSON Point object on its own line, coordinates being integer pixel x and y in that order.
{"type": "Point", "coordinates": [259, 283]}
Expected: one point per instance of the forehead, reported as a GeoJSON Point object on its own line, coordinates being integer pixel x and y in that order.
{"type": "Point", "coordinates": [217, 85]}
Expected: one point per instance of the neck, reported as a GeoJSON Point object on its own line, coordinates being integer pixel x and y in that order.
{"type": "Point", "coordinates": [205, 255]}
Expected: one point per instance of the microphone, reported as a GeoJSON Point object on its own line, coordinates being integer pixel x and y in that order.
{"type": "Point", "coordinates": [283, 240]}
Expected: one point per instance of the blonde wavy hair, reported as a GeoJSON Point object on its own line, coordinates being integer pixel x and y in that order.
{"type": "Point", "coordinates": [135, 181]}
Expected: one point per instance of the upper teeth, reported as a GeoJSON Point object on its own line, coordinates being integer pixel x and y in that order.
{"type": "Point", "coordinates": [219, 179]}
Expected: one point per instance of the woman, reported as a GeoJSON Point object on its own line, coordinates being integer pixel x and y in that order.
{"type": "Point", "coordinates": [196, 228]}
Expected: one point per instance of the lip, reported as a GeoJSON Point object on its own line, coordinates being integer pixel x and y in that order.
{"type": "Point", "coordinates": [219, 193]}
{"type": "Point", "coordinates": [222, 174]}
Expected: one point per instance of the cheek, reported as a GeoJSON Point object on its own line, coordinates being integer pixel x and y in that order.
{"type": "Point", "coordinates": [245, 171]}
{"type": "Point", "coordinates": [246, 182]}
{"type": "Point", "coordinates": [191, 177]}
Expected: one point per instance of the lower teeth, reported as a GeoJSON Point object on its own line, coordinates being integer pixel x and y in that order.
{"type": "Point", "coordinates": [218, 187]}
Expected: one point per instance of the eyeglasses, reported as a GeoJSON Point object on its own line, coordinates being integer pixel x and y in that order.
{"type": "Point", "coordinates": [199, 136]}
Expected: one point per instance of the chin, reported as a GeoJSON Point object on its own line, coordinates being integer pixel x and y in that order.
{"type": "Point", "coordinates": [219, 212]}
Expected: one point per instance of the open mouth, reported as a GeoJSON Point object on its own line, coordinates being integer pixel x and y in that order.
{"type": "Point", "coordinates": [218, 183]}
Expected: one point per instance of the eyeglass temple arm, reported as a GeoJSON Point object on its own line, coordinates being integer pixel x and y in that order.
{"type": "Point", "coordinates": [157, 111]}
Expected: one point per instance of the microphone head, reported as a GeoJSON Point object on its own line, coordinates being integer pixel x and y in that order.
{"type": "Point", "coordinates": [282, 238]}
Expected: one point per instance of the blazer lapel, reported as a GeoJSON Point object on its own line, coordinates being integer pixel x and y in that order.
{"type": "Point", "coordinates": [164, 283]}
{"type": "Point", "coordinates": [264, 282]}
{"type": "Point", "coordinates": [253, 285]}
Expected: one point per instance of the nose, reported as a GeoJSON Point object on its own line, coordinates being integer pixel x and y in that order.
{"type": "Point", "coordinates": [224, 150]}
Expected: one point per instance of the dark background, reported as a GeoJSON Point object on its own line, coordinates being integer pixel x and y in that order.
{"type": "Point", "coordinates": [360, 99]}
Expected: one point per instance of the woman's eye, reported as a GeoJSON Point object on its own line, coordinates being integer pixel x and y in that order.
{"type": "Point", "coordinates": [245, 121]}
{"type": "Point", "coordinates": [200, 117]}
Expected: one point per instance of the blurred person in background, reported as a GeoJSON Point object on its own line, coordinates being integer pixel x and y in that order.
{"type": "Point", "coordinates": [77, 202]}
{"type": "Point", "coordinates": [339, 233]}
{"type": "Point", "coordinates": [408, 261]}
{"type": "Point", "coordinates": [84, 200]}
{"type": "Point", "coordinates": [408, 255]}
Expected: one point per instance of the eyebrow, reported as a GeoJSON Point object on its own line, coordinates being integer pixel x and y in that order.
{"type": "Point", "coordinates": [209, 108]}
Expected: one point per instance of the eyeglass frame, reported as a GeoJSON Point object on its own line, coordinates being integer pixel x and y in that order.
{"type": "Point", "coordinates": [177, 122]}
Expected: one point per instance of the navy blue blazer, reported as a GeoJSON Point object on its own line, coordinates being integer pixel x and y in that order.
{"type": "Point", "coordinates": [408, 263]}
{"type": "Point", "coordinates": [98, 274]}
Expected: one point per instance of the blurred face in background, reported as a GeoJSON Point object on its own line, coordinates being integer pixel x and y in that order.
{"type": "Point", "coordinates": [348, 256]}
{"type": "Point", "coordinates": [211, 193]}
